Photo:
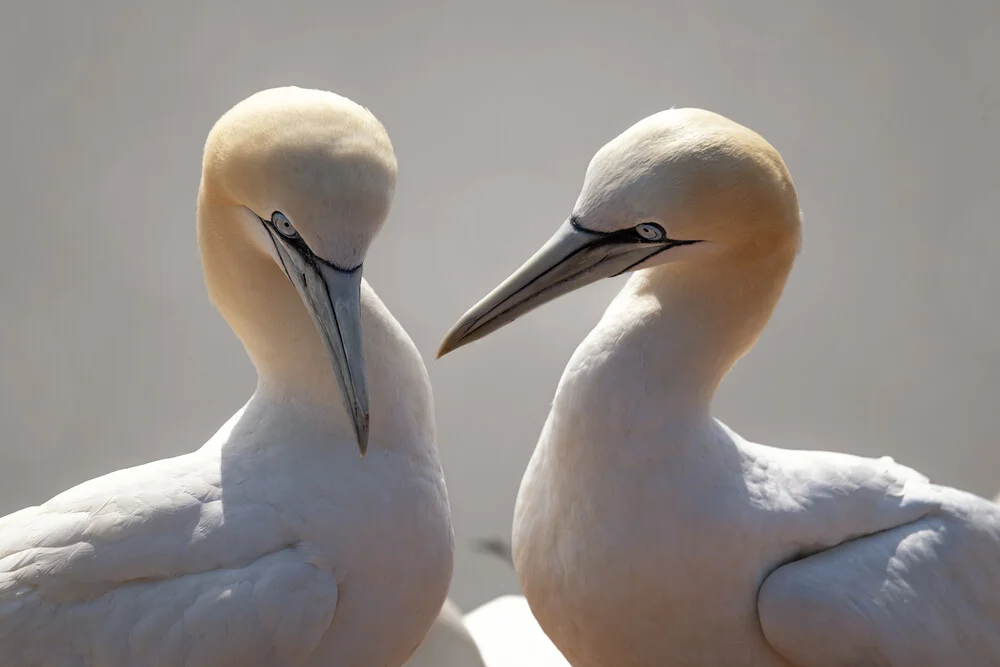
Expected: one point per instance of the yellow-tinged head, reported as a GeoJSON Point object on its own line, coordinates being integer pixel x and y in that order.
{"type": "Point", "coordinates": [680, 185]}
{"type": "Point", "coordinates": [295, 185]}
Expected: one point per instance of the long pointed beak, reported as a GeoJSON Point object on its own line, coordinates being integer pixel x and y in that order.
{"type": "Point", "coordinates": [572, 258]}
{"type": "Point", "coordinates": [333, 298]}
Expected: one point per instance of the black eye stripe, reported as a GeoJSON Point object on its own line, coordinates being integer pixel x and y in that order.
{"type": "Point", "coordinates": [631, 235]}
{"type": "Point", "coordinates": [297, 242]}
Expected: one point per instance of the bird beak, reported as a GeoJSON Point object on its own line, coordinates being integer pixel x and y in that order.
{"type": "Point", "coordinates": [572, 258]}
{"type": "Point", "coordinates": [333, 298]}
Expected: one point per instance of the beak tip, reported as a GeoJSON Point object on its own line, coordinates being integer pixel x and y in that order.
{"type": "Point", "coordinates": [454, 339]}
{"type": "Point", "coordinates": [361, 428]}
{"type": "Point", "coordinates": [443, 349]}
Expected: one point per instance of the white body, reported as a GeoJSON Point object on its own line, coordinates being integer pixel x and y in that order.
{"type": "Point", "coordinates": [273, 545]}
{"type": "Point", "coordinates": [509, 636]}
{"type": "Point", "coordinates": [500, 633]}
{"type": "Point", "coordinates": [646, 533]}
{"type": "Point", "coordinates": [448, 643]}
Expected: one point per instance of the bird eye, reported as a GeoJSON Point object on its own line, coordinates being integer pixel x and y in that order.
{"type": "Point", "coordinates": [650, 231]}
{"type": "Point", "coordinates": [283, 225]}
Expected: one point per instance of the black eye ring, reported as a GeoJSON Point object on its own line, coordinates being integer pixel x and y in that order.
{"type": "Point", "coordinates": [650, 231]}
{"type": "Point", "coordinates": [283, 225]}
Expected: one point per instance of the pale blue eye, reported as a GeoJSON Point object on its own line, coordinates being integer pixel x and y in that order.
{"type": "Point", "coordinates": [283, 225]}
{"type": "Point", "coordinates": [650, 231]}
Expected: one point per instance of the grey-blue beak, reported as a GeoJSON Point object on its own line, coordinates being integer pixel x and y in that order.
{"type": "Point", "coordinates": [572, 258]}
{"type": "Point", "coordinates": [333, 298]}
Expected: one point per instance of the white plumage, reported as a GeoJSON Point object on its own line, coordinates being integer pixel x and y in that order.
{"type": "Point", "coordinates": [508, 635]}
{"type": "Point", "coordinates": [500, 633]}
{"type": "Point", "coordinates": [274, 544]}
{"type": "Point", "coordinates": [648, 533]}
{"type": "Point", "coordinates": [448, 643]}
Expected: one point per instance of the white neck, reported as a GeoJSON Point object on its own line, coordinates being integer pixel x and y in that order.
{"type": "Point", "coordinates": [262, 307]}
{"type": "Point", "coordinates": [266, 313]}
{"type": "Point", "coordinates": [668, 339]}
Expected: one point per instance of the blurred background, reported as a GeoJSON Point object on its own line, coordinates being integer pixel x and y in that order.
{"type": "Point", "coordinates": [887, 114]}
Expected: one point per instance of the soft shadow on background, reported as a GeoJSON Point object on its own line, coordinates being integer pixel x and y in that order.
{"type": "Point", "coordinates": [888, 115]}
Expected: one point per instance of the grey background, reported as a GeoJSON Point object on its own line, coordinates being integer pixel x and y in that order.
{"type": "Point", "coordinates": [887, 113]}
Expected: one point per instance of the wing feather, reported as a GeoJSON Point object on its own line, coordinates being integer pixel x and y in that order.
{"type": "Point", "coordinates": [924, 593]}
{"type": "Point", "coordinates": [273, 611]}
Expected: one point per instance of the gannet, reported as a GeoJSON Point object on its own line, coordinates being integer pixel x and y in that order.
{"type": "Point", "coordinates": [648, 533]}
{"type": "Point", "coordinates": [508, 635]}
{"type": "Point", "coordinates": [505, 629]}
{"type": "Point", "coordinates": [275, 544]}
{"type": "Point", "coordinates": [501, 632]}
{"type": "Point", "coordinates": [448, 643]}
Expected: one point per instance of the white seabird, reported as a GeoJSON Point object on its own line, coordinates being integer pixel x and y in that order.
{"type": "Point", "coordinates": [448, 643]}
{"type": "Point", "coordinates": [499, 633]}
{"type": "Point", "coordinates": [508, 635]}
{"type": "Point", "coordinates": [275, 544]}
{"type": "Point", "coordinates": [505, 629]}
{"type": "Point", "coordinates": [648, 533]}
